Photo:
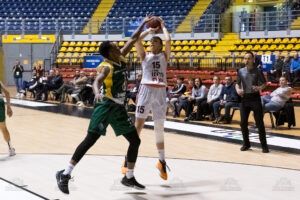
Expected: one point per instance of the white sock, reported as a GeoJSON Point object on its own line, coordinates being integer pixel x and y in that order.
{"type": "Point", "coordinates": [161, 153]}
{"type": "Point", "coordinates": [9, 145]}
{"type": "Point", "coordinates": [69, 169]}
{"type": "Point", "coordinates": [129, 173]}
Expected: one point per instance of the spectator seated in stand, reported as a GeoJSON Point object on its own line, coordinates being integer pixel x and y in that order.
{"type": "Point", "coordinates": [27, 85]}
{"type": "Point", "coordinates": [277, 99]}
{"type": "Point", "coordinates": [286, 68]}
{"type": "Point", "coordinates": [275, 73]}
{"type": "Point", "coordinates": [133, 92]}
{"type": "Point", "coordinates": [41, 85]}
{"type": "Point", "coordinates": [80, 83]}
{"type": "Point", "coordinates": [60, 92]}
{"type": "Point", "coordinates": [178, 90]}
{"type": "Point", "coordinates": [199, 94]}
{"type": "Point", "coordinates": [228, 99]}
{"type": "Point", "coordinates": [295, 68]}
{"type": "Point", "coordinates": [87, 94]}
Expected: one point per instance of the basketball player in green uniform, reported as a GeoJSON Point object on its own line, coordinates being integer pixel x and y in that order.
{"type": "Point", "coordinates": [109, 109]}
{"type": "Point", "coordinates": [6, 135]}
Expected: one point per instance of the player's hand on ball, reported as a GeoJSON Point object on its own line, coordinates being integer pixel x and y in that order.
{"type": "Point", "coordinates": [98, 98]}
{"type": "Point", "coordinates": [9, 111]}
{"type": "Point", "coordinates": [147, 18]}
{"type": "Point", "coordinates": [153, 30]}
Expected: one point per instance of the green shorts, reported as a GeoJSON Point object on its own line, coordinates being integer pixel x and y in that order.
{"type": "Point", "coordinates": [108, 112]}
{"type": "Point", "coordinates": [2, 111]}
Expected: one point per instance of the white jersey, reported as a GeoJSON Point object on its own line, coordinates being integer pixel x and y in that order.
{"type": "Point", "coordinates": [154, 69]}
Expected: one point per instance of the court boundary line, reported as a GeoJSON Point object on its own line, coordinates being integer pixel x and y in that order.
{"type": "Point", "coordinates": [25, 189]}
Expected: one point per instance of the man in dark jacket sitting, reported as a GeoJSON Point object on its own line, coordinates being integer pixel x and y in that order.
{"type": "Point", "coordinates": [178, 90]}
{"type": "Point", "coordinates": [228, 99]}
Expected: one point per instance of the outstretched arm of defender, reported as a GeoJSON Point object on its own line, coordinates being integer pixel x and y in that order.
{"type": "Point", "coordinates": [135, 36]}
{"type": "Point", "coordinates": [7, 96]}
{"type": "Point", "coordinates": [99, 81]}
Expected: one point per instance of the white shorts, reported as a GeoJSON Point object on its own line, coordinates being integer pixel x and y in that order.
{"type": "Point", "coordinates": [151, 98]}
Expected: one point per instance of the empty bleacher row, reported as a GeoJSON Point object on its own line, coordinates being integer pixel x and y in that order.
{"type": "Point", "coordinates": [44, 14]}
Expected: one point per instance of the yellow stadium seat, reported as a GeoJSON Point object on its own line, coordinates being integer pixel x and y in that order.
{"type": "Point", "coordinates": [241, 48]}
{"type": "Point", "coordinates": [177, 42]}
{"type": "Point", "coordinates": [149, 43]}
{"type": "Point", "coordinates": [75, 55]}
{"type": "Point", "coordinates": [82, 55]}
{"type": "Point", "coordinates": [179, 54]}
{"type": "Point", "coordinates": [268, 53]}
{"type": "Point", "coordinates": [281, 47]}
{"type": "Point", "coordinates": [65, 43]}
{"type": "Point", "coordinates": [238, 42]}
{"type": "Point", "coordinates": [262, 41]}
{"type": "Point", "coordinates": [63, 49]}
{"type": "Point", "coordinates": [213, 42]}
{"type": "Point", "coordinates": [199, 48]}
{"type": "Point", "coordinates": [277, 41]}
{"type": "Point", "coordinates": [172, 48]}
{"type": "Point", "coordinates": [247, 41]}
{"type": "Point", "coordinates": [164, 42]}
{"type": "Point", "coordinates": [185, 48]}
{"type": "Point", "coordinates": [192, 48]}
{"type": "Point", "coordinates": [243, 53]}
{"type": "Point", "coordinates": [72, 44]}
{"type": "Point", "coordinates": [248, 48]}
{"type": "Point", "coordinates": [74, 60]}
{"type": "Point", "coordinates": [191, 42]}
{"type": "Point", "coordinates": [254, 41]}
{"type": "Point", "coordinates": [97, 49]}
{"type": "Point", "coordinates": [59, 60]}
{"type": "Point", "coordinates": [233, 48]}
{"type": "Point", "coordinates": [148, 49]}
{"type": "Point", "coordinates": [284, 53]}
{"type": "Point", "coordinates": [289, 47]}
{"type": "Point", "coordinates": [273, 47]}
{"type": "Point", "coordinates": [66, 60]}
{"type": "Point", "coordinates": [92, 49]}
{"type": "Point", "coordinates": [206, 42]}
{"type": "Point", "coordinates": [178, 48]}
{"type": "Point", "coordinates": [293, 52]}
{"type": "Point", "coordinates": [172, 42]}
{"type": "Point", "coordinates": [121, 44]}
{"type": "Point", "coordinates": [70, 49]}
{"type": "Point", "coordinates": [79, 44]}
{"type": "Point", "coordinates": [256, 47]}
{"type": "Point", "coordinates": [84, 49]}
{"type": "Point", "coordinates": [260, 53]}
{"type": "Point", "coordinates": [269, 41]}
{"type": "Point", "coordinates": [285, 41]}
{"type": "Point", "coordinates": [144, 42]}
{"type": "Point", "coordinates": [93, 44]}
{"type": "Point", "coordinates": [293, 40]}
{"type": "Point", "coordinates": [265, 47]}
{"type": "Point", "coordinates": [201, 54]}
{"type": "Point", "coordinates": [99, 43]}
{"type": "Point", "coordinates": [296, 47]}
{"type": "Point", "coordinates": [184, 42]}
{"type": "Point", "coordinates": [194, 54]}
{"type": "Point", "coordinates": [207, 48]}
{"type": "Point", "coordinates": [199, 42]}
{"type": "Point", "coordinates": [86, 43]}
{"type": "Point", "coordinates": [68, 55]}
{"type": "Point", "coordinates": [77, 49]}
{"type": "Point", "coordinates": [60, 55]}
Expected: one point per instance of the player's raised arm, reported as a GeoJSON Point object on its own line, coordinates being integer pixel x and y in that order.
{"type": "Point", "coordinates": [135, 36]}
{"type": "Point", "coordinates": [167, 39]}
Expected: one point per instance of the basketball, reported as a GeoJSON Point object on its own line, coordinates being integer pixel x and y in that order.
{"type": "Point", "coordinates": [153, 23]}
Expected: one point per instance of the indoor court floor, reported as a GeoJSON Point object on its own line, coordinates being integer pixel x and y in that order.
{"type": "Point", "coordinates": [205, 160]}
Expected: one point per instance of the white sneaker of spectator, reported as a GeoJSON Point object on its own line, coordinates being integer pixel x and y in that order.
{"type": "Point", "coordinates": [18, 95]}
{"type": "Point", "coordinates": [75, 96]}
{"type": "Point", "coordinates": [22, 96]}
{"type": "Point", "coordinates": [79, 103]}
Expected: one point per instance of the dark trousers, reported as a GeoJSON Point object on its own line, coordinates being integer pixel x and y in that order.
{"type": "Point", "coordinates": [228, 105]}
{"type": "Point", "coordinates": [208, 108]}
{"type": "Point", "coordinates": [190, 108]}
{"type": "Point", "coordinates": [252, 103]}
{"type": "Point", "coordinates": [182, 104]}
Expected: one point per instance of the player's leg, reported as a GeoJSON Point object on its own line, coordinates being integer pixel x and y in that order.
{"type": "Point", "coordinates": [142, 107]}
{"type": "Point", "coordinates": [3, 127]}
{"type": "Point", "coordinates": [159, 116]}
{"type": "Point", "coordinates": [97, 127]}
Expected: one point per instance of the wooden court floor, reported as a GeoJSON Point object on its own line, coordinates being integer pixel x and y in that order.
{"type": "Point", "coordinates": [38, 132]}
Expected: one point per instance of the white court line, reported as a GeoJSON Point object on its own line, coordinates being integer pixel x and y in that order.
{"type": "Point", "coordinates": [228, 133]}
{"type": "Point", "coordinates": [11, 192]}
{"type": "Point", "coordinates": [29, 103]}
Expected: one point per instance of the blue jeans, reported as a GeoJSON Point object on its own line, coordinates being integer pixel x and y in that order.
{"type": "Point", "coordinates": [269, 105]}
{"type": "Point", "coordinates": [18, 82]}
{"type": "Point", "coordinates": [228, 105]}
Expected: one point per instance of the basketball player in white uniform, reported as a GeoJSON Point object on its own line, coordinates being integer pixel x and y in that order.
{"type": "Point", "coordinates": [152, 92]}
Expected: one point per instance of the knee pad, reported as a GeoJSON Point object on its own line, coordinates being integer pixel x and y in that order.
{"type": "Point", "coordinates": [159, 130]}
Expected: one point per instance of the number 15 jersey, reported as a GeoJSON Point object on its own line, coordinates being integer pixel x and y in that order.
{"type": "Point", "coordinates": [154, 69]}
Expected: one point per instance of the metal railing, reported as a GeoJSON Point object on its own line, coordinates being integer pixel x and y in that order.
{"type": "Point", "coordinates": [113, 25]}
{"type": "Point", "coordinates": [268, 21]}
